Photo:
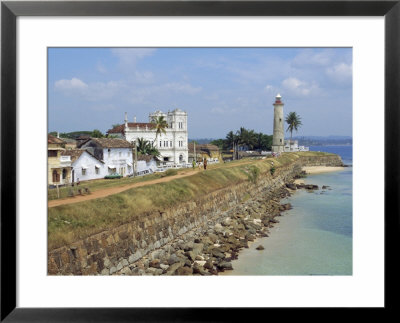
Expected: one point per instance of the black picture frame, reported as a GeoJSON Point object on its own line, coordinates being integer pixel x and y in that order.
{"type": "Point", "coordinates": [10, 10]}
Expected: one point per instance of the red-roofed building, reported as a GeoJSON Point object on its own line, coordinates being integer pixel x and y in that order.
{"type": "Point", "coordinates": [173, 145]}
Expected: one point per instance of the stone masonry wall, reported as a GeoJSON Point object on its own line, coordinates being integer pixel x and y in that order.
{"type": "Point", "coordinates": [114, 250]}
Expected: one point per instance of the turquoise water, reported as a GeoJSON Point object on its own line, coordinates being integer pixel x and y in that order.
{"type": "Point", "coordinates": [315, 237]}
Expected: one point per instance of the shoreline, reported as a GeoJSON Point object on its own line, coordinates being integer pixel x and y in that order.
{"type": "Point", "coordinates": [310, 170]}
{"type": "Point", "coordinates": [250, 259]}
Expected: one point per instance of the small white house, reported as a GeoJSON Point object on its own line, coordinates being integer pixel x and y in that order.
{"type": "Point", "coordinates": [116, 154]}
{"type": "Point", "coordinates": [293, 145]}
{"type": "Point", "coordinates": [85, 166]}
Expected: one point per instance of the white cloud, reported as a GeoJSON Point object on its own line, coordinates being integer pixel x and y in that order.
{"type": "Point", "coordinates": [310, 57]}
{"type": "Point", "coordinates": [72, 84]}
{"type": "Point", "coordinates": [297, 87]}
{"type": "Point", "coordinates": [91, 92]}
{"type": "Point", "coordinates": [341, 72]}
{"type": "Point", "coordinates": [128, 57]}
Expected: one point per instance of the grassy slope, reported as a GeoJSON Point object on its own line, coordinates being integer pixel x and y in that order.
{"type": "Point", "coordinates": [68, 223]}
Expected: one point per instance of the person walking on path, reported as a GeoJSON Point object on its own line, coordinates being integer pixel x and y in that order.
{"type": "Point", "coordinates": [205, 164]}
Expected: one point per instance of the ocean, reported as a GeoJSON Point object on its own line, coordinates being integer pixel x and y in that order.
{"type": "Point", "coordinates": [315, 237]}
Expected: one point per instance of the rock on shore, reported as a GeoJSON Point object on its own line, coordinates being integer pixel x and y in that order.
{"type": "Point", "coordinates": [210, 249]}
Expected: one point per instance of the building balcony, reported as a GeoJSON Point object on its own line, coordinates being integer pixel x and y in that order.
{"type": "Point", "coordinates": [65, 161]}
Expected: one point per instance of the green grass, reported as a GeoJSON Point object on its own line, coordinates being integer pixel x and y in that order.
{"type": "Point", "coordinates": [98, 184]}
{"type": "Point", "coordinates": [71, 222]}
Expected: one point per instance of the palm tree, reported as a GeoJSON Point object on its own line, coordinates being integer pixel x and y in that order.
{"type": "Point", "coordinates": [160, 124]}
{"type": "Point", "coordinates": [230, 139]}
{"type": "Point", "coordinates": [145, 148]}
{"type": "Point", "coordinates": [294, 122]}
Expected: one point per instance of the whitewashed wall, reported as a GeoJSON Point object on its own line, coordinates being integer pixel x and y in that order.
{"type": "Point", "coordinates": [173, 135]}
{"type": "Point", "coordinates": [118, 157]}
{"type": "Point", "coordinates": [86, 160]}
{"type": "Point", "coordinates": [143, 165]}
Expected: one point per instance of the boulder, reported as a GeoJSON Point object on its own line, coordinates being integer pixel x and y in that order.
{"type": "Point", "coordinates": [260, 247]}
{"type": "Point", "coordinates": [292, 186]}
{"type": "Point", "coordinates": [155, 263]}
{"type": "Point", "coordinates": [218, 253]}
{"type": "Point", "coordinates": [164, 267]}
{"type": "Point", "coordinates": [173, 259]}
{"type": "Point", "coordinates": [172, 269]}
{"type": "Point", "coordinates": [225, 265]}
{"type": "Point", "coordinates": [184, 271]}
{"type": "Point", "coordinates": [208, 264]}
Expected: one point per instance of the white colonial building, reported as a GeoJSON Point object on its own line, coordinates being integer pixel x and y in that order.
{"type": "Point", "coordinates": [116, 154]}
{"type": "Point", "coordinates": [173, 145]}
{"type": "Point", "coordinates": [85, 166]}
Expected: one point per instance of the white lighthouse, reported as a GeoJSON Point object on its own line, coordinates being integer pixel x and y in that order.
{"type": "Point", "coordinates": [278, 139]}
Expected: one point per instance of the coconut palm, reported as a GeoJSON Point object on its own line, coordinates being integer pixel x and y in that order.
{"type": "Point", "coordinates": [160, 124]}
{"type": "Point", "coordinates": [145, 148]}
{"type": "Point", "coordinates": [294, 122]}
{"type": "Point", "coordinates": [230, 139]}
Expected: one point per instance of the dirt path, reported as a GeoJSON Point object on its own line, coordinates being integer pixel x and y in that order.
{"type": "Point", "coordinates": [118, 189]}
{"type": "Point", "coordinates": [114, 190]}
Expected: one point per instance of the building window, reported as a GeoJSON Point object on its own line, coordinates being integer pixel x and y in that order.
{"type": "Point", "coordinates": [96, 170]}
{"type": "Point", "coordinates": [52, 153]}
{"type": "Point", "coordinates": [160, 143]}
{"type": "Point", "coordinates": [109, 153]}
{"type": "Point", "coordinates": [170, 143]}
{"type": "Point", "coordinates": [83, 171]}
{"type": "Point", "coordinates": [64, 173]}
{"type": "Point", "coordinates": [56, 177]}
{"type": "Point", "coordinates": [120, 154]}
{"type": "Point", "coordinates": [180, 125]}
{"type": "Point", "coordinates": [280, 140]}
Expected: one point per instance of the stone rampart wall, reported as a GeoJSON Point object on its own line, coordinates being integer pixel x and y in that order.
{"type": "Point", "coordinates": [114, 250]}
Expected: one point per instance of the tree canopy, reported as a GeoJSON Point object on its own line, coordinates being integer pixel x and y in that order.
{"type": "Point", "coordinates": [144, 147]}
{"type": "Point", "coordinates": [160, 126]}
{"type": "Point", "coordinates": [294, 122]}
{"type": "Point", "coordinates": [244, 138]}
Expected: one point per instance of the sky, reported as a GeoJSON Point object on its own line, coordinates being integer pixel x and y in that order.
{"type": "Point", "coordinates": [221, 89]}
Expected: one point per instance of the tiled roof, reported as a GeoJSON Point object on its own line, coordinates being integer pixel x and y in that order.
{"type": "Point", "coordinates": [69, 140]}
{"type": "Point", "coordinates": [54, 140]}
{"type": "Point", "coordinates": [112, 142]}
{"type": "Point", "coordinates": [121, 128]}
{"type": "Point", "coordinates": [76, 153]}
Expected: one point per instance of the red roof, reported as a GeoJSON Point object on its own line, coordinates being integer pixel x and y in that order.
{"type": "Point", "coordinates": [121, 128]}
{"type": "Point", "coordinates": [54, 140]}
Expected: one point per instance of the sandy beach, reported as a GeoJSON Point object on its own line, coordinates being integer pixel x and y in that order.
{"type": "Point", "coordinates": [321, 169]}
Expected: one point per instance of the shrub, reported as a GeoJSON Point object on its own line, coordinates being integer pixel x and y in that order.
{"type": "Point", "coordinates": [272, 170]}
{"type": "Point", "coordinates": [253, 174]}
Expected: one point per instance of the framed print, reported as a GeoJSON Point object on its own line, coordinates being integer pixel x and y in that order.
{"type": "Point", "coordinates": [120, 201]}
